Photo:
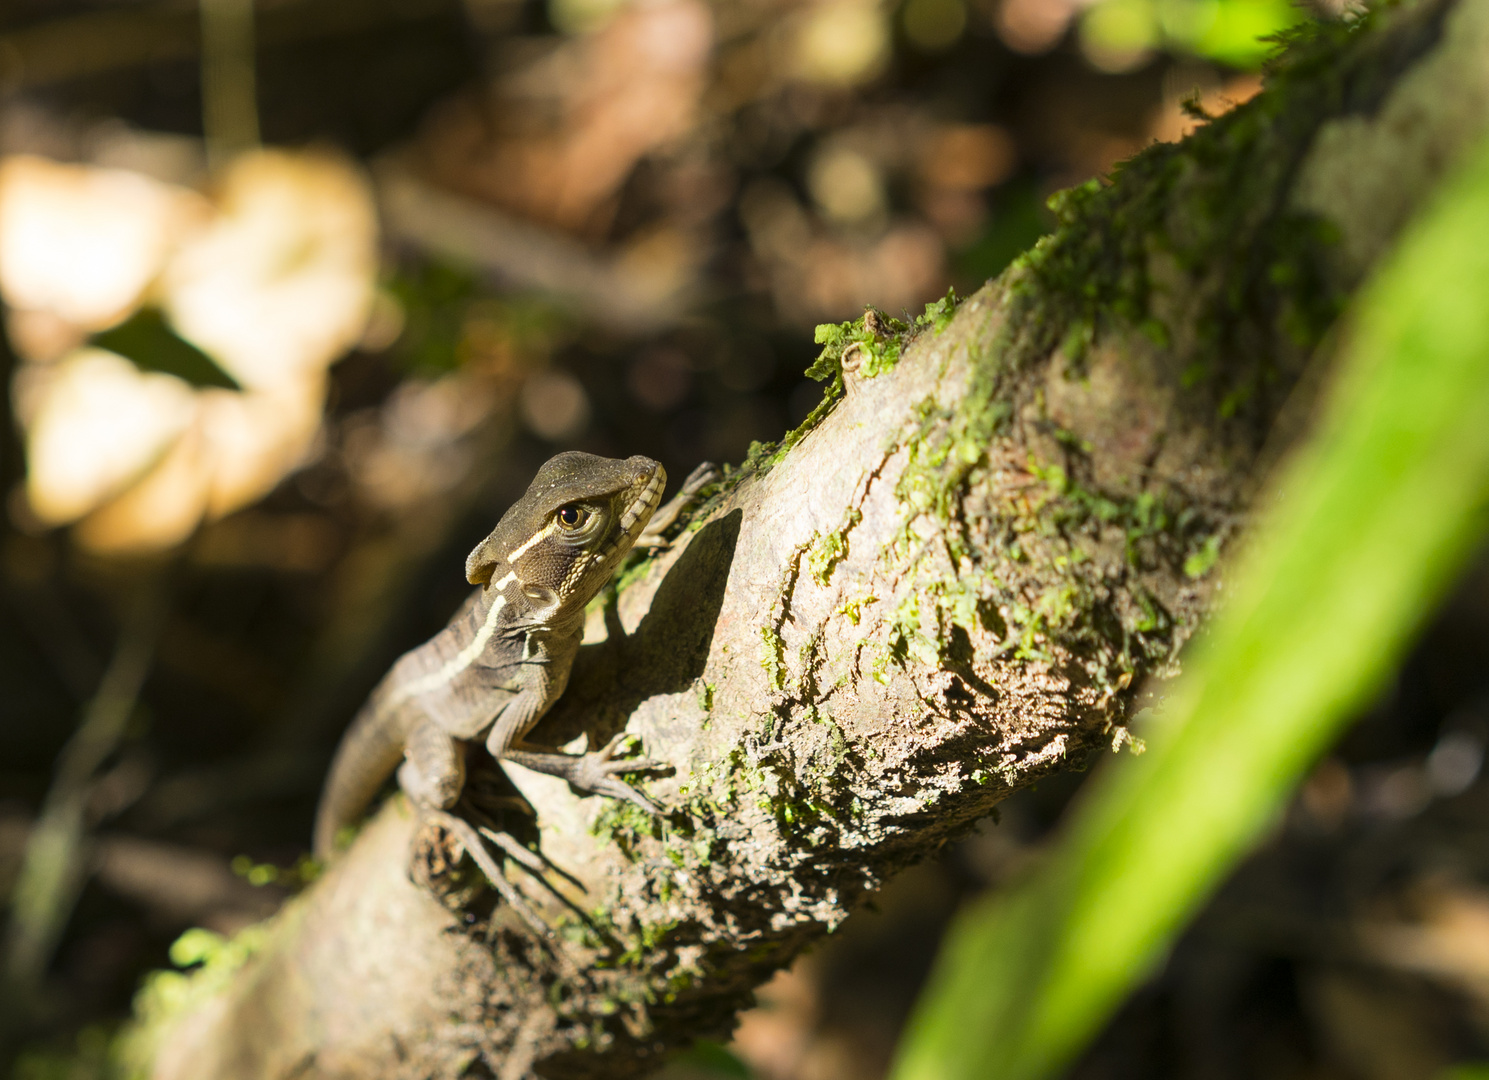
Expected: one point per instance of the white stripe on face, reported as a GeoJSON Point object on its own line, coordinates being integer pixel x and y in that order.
{"type": "Point", "coordinates": [538, 537]}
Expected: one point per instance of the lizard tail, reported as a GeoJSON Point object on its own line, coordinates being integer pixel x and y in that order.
{"type": "Point", "coordinates": [369, 752]}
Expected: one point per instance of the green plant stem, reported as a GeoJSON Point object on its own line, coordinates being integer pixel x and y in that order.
{"type": "Point", "coordinates": [229, 89]}
{"type": "Point", "coordinates": [52, 869]}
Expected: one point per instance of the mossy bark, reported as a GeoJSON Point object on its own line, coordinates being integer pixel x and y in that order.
{"type": "Point", "coordinates": [954, 583]}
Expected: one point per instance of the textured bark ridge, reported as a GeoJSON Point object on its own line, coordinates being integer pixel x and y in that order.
{"type": "Point", "coordinates": [950, 583]}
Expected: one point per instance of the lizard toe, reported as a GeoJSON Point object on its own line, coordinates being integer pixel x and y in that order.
{"type": "Point", "coordinates": [611, 748]}
{"type": "Point", "coordinates": [619, 789]}
{"type": "Point", "coordinates": [616, 766]}
{"type": "Point", "coordinates": [471, 841]}
{"type": "Point", "coordinates": [702, 475]}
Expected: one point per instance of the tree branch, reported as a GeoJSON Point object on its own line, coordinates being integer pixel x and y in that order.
{"type": "Point", "coordinates": [950, 583]}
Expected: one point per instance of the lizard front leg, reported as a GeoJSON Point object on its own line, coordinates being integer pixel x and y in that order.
{"type": "Point", "coordinates": [596, 772]}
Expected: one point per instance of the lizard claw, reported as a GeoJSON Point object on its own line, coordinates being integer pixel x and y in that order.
{"type": "Point", "coordinates": [599, 771]}
{"type": "Point", "coordinates": [613, 765]}
{"type": "Point", "coordinates": [702, 475]}
{"type": "Point", "coordinates": [619, 789]}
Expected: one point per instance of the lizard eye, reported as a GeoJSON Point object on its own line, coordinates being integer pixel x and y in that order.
{"type": "Point", "coordinates": [571, 517]}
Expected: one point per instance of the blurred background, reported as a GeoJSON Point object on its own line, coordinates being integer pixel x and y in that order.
{"type": "Point", "coordinates": [298, 295]}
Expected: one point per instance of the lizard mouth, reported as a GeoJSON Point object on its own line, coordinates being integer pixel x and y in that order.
{"type": "Point", "coordinates": [644, 502]}
{"type": "Point", "coordinates": [645, 496]}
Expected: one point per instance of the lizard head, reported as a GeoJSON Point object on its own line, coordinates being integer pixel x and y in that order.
{"type": "Point", "coordinates": [563, 539]}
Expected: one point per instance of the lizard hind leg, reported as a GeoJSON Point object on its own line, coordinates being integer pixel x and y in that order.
{"type": "Point", "coordinates": [433, 772]}
{"type": "Point", "coordinates": [469, 839]}
{"type": "Point", "coordinates": [433, 777]}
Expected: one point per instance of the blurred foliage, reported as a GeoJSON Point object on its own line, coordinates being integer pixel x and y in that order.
{"type": "Point", "coordinates": [1018, 220]}
{"type": "Point", "coordinates": [433, 296]}
{"type": "Point", "coordinates": [1122, 33]}
{"type": "Point", "coordinates": [446, 317]}
{"type": "Point", "coordinates": [707, 1060]}
{"type": "Point", "coordinates": [90, 1058]}
{"type": "Point", "coordinates": [1367, 527]}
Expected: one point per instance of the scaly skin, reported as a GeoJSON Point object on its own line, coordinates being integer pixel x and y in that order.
{"type": "Point", "coordinates": [505, 657]}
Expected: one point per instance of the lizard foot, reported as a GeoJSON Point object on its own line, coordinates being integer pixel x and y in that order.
{"type": "Point", "coordinates": [476, 848]}
{"type": "Point", "coordinates": [598, 771]}
{"type": "Point", "coordinates": [703, 474]}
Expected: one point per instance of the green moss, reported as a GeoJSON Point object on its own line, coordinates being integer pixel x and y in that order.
{"type": "Point", "coordinates": [716, 790]}
{"type": "Point", "coordinates": [304, 870]}
{"type": "Point", "coordinates": [880, 339]}
{"type": "Point", "coordinates": [625, 824]}
{"type": "Point", "coordinates": [773, 656]}
{"type": "Point", "coordinates": [211, 960]}
{"type": "Point", "coordinates": [1200, 562]}
{"type": "Point", "coordinates": [1211, 205]}
{"type": "Point", "coordinates": [1144, 518]}
{"type": "Point", "coordinates": [762, 457]}
{"type": "Point", "coordinates": [648, 937]}
{"type": "Point", "coordinates": [925, 623]}
{"type": "Point", "coordinates": [853, 609]}
{"type": "Point", "coordinates": [827, 551]}
{"type": "Point", "coordinates": [1209, 210]}
{"type": "Point", "coordinates": [883, 340]}
{"type": "Point", "coordinates": [814, 804]}
{"type": "Point", "coordinates": [637, 566]}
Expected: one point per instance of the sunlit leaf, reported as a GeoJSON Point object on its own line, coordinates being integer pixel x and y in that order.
{"type": "Point", "coordinates": [1241, 31]}
{"type": "Point", "coordinates": [1120, 34]}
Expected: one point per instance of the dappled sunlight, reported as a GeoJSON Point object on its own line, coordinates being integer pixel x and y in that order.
{"type": "Point", "coordinates": [96, 424]}
{"type": "Point", "coordinates": [272, 282]}
{"type": "Point", "coordinates": [85, 243]}
{"type": "Point", "coordinates": [281, 282]}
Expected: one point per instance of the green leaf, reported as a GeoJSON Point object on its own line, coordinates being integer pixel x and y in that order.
{"type": "Point", "coordinates": [1376, 515]}
{"type": "Point", "coordinates": [1240, 33]}
{"type": "Point", "coordinates": [148, 340]}
{"type": "Point", "coordinates": [1018, 219]}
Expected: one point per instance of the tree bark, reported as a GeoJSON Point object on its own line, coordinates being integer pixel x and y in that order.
{"type": "Point", "coordinates": [951, 582]}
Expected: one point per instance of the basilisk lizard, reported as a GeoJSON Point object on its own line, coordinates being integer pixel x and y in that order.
{"type": "Point", "coordinates": [505, 657]}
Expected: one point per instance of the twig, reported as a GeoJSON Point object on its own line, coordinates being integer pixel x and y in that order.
{"type": "Point", "coordinates": [52, 871]}
{"type": "Point", "coordinates": [229, 91]}
{"type": "Point", "coordinates": [111, 39]}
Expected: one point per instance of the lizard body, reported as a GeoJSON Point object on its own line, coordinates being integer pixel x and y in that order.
{"type": "Point", "coordinates": [505, 657]}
